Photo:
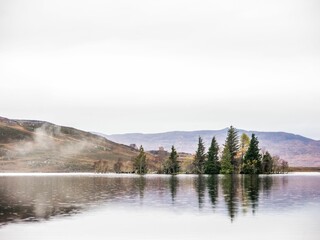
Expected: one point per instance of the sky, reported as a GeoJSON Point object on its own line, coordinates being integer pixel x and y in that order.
{"type": "Point", "coordinates": [119, 66]}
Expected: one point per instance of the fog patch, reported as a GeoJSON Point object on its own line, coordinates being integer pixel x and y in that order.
{"type": "Point", "coordinates": [49, 140]}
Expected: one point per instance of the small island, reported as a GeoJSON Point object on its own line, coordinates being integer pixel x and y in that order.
{"type": "Point", "coordinates": [237, 156]}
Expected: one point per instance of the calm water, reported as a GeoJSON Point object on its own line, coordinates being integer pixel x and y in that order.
{"type": "Point", "coordinates": [90, 206]}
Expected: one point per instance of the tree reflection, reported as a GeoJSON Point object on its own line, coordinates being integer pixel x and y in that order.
{"type": "Point", "coordinates": [38, 198]}
{"type": "Point", "coordinates": [173, 184]}
{"type": "Point", "coordinates": [200, 187]}
{"type": "Point", "coordinates": [140, 183]}
{"type": "Point", "coordinates": [230, 185]}
{"type": "Point", "coordinates": [267, 183]}
{"type": "Point", "coordinates": [251, 189]}
{"type": "Point", "coordinates": [213, 189]}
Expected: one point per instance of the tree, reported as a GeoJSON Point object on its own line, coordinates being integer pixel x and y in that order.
{"type": "Point", "coordinates": [244, 144]}
{"type": "Point", "coordinates": [161, 158]}
{"type": "Point", "coordinates": [171, 166]}
{"type": "Point", "coordinates": [279, 166]}
{"type": "Point", "coordinates": [267, 163]}
{"type": "Point", "coordinates": [101, 166]}
{"type": "Point", "coordinates": [276, 164]}
{"type": "Point", "coordinates": [199, 158]}
{"type": "Point", "coordinates": [226, 165]}
{"type": "Point", "coordinates": [284, 166]}
{"type": "Point", "coordinates": [140, 163]}
{"type": "Point", "coordinates": [117, 166]}
{"type": "Point", "coordinates": [212, 165]}
{"type": "Point", "coordinates": [232, 141]}
{"type": "Point", "coordinates": [252, 159]}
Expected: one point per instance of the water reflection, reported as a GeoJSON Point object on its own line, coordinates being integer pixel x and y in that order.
{"type": "Point", "coordinates": [173, 184]}
{"type": "Point", "coordinates": [230, 187]}
{"type": "Point", "coordinates": [213, 190]}
{"type": "Point", "coordinates": [251, 185]}
{"type": "Point", "coordinates": [140, 185]}
{"type": "Point", "coordinates": [32, 199]}
{"type": "Point", "coordinates": [35, 198]}
{"type": "Point", "coordinates": [200, 187]}
{"type": "Point", "coordinates": [267, 184]}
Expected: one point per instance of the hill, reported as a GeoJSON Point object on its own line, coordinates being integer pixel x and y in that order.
{"type": "Point", "coordinates": [37, 146]}
{"type": "Point", "coordinates": [299, 151]}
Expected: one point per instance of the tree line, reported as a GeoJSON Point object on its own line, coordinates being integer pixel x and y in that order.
{"type": "Point", "coordinates": [239, 155]}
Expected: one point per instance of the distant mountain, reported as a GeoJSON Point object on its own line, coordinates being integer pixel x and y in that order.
{"type": "Point", "coordinates": [37, 146]}
{"type": "Point", "coordinates": [297, 150]}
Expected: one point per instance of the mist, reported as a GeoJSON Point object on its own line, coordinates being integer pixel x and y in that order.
{"type": "Point", "coordinates": [49, 143]}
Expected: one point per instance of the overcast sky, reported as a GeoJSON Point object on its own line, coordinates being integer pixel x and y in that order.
{"type": "Point", "coordinates": [159, 65]}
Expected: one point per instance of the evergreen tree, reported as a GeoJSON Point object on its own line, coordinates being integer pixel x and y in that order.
{"type": "Point", "coordinates": [252, 159]}
{"type": "Point", "coordinates": [212, 165]}
{"type": "Point", "coordinates": [199, 158]}
{"type": "Point", "coordinates": [232, 142]}
{"type": "Point", "coordinates": [226, 165]}
{"type": "Point", "coordinates": [267, 163]}
{"type": "Point", "coordinates": [171, 166]}
{"type": "Point", "coordinates": [140, 163]}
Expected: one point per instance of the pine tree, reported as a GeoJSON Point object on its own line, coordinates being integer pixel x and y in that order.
{"type": "Point", "coordinates": [199, 158]}
{"type": "Point", "coordinates": [140, 163]}
{"type": "Point", "coordinates": [171, 166]}
{"type": "Point", "coordinates": [232, 142]}
{"type": "Point", "coordinates": [267, 163]}
{"type": "Point", "coordinates": [252, 159]}
{"type": "Point", "coordinates": [212, 165]}
{"type": "Point", "coordinates": [226, 165]}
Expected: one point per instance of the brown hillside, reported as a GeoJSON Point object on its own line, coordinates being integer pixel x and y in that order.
{"type": "Point", "coordinates": [37, 146]}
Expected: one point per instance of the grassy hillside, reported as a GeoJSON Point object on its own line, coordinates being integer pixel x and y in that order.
{"type": "Point", "coordinates": [36, 146]}
{"type": "Point", "coordinates": [297, 150]}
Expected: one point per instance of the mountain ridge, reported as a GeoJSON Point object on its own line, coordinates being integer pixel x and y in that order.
{"type": "Point", "coordinates": [298, 150]}
{"type": "Point", "coordinates": [205, 130]}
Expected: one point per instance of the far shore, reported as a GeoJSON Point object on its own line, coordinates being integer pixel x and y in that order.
{"type": "Point", "coordinates": [292, 170]}
{"type": "Point", "coordinates": [304, 169]}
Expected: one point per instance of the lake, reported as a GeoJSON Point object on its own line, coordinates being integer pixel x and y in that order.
{"type": "Point", "coordinates": [125, 206]}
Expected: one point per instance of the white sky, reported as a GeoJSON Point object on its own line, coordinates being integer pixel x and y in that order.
{"type": "Point", "coordinates": [160, 65]}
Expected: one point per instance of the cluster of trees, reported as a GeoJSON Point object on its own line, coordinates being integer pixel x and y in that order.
{"type": "Point", "coordinates": [103, 166]}
{"type": "Point", "coordinates": [170, 166]}
{"type": "Point", "coordinates": [239, 155]}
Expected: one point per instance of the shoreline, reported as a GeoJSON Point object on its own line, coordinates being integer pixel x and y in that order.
{"type": "Point", "coordinates": [304, 169]}
{"type": "Point", "coordinates": [21, 174]}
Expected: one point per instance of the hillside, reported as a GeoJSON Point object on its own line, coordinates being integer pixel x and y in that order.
{"type": "Point", "coordinates": [37, 146]}
{"type": "Point", "coordinates": [297, 150]}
